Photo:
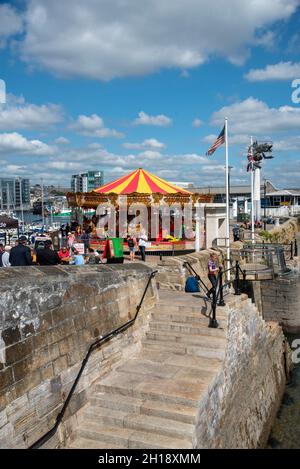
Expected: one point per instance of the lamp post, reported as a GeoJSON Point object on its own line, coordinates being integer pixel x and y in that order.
{"type": "Point", "coordinates": [265, 200]}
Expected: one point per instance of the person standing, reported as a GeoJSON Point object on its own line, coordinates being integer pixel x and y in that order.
{"type": "Point", "coordinates": [5, 256]}
{"type": "Point", "coordinates": [131, 241]}
{"type": "Point", "coordinates": [143, 244]}
{"type": "Point", "coordinates": [1, 254]}
{"type": "Point", "coordinates": [47, 256]}
{"type": "Point", "coordinates": [236, 233]}
{"type": "Point", "coordinates": [212, 273]}
{"type": "Point", "coordinates": [20, 255]}
{"type": "Point", "coordinates": [85, 238]}
{"type": "Point", "coordinates": [71, 240]}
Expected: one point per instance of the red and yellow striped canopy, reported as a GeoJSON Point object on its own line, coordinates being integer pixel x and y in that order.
{"type": "Point", "coordinates": [140, 181]}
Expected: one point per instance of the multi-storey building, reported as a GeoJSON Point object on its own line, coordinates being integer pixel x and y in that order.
{"type": "Point", "coordinates": [14, 194]}
{"type": "Point", "coordinates": [88, 181]}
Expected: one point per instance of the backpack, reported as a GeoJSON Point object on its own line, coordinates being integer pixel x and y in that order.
{"type": "Point", "coordinates": [191, 285]}
{"type": "Point", "coordinates": [130, 243]}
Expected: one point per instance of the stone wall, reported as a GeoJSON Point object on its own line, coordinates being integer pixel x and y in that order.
{"type": "Point", "coordinates": [286, 232]}
{"type": "Point", "coordinates": [242, 402]}
{"type": "Point", "coordinates": [48, 318]}
{"type": "Point", "coordinates": [281, 302]}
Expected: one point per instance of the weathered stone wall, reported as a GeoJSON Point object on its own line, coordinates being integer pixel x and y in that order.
{"type": "Point", "coordinates": [286, 232]}
{"type": "Point", "coordinates": [281, 302]}
{"type": "Point", "coordinates": [241, 403]}
{"type": "Point", "coordinates": [49, 317]}
{"type": "Point", "coordinates": [172, 274]}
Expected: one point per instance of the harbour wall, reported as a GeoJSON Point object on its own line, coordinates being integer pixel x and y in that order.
{"type": "Point", "coordinates": [287, 232]}
{"type": "Point", "coordinates": [48, 318]}
{"type": "Point", "coordinates": [241, 404]}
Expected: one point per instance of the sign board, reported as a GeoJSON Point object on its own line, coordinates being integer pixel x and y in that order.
{"type": "Point", "coordinates": [7, 223]}
{"type": "Point", "coordinates": [79, 247]}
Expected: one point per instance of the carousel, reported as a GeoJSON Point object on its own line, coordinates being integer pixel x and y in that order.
{"type": "Point", "coordinates": [139, 187]}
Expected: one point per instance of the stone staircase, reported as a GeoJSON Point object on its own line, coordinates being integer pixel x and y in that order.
{"type": "Point", "coordinates": [151, 401]}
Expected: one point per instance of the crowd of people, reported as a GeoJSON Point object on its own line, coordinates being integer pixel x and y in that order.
{"type": "Point", "coordinates": [22, 255]}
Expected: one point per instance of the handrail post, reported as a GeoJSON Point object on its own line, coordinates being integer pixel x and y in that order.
{"type": "Point", "coordinates": [213, 319]}
{"type": "Point", "coordinates": [244, 279]}
{"type": "Point", "coordinates": [221, 300]}
{"type": "Point", "coordinates": [237, 290]}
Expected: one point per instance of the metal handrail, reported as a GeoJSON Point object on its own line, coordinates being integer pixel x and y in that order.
{"type": "Point", "coordinates": [98, 343]}
{"type": "Point", "coordinates": [217, 291]}
{"type": "Point", "coordinates": [197, 276]}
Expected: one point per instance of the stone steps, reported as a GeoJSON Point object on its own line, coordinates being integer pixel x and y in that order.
{"type": "Point", "coordinates": [86, 443]}
{"type": "Point", "coordinates": [129, 404]}
{"type": "Point", "coordinates": [188, 328]}
{"type": "Point", "coordinates": [151, 400]}
{"type": "Point", "coordinates": [185, 338]}
{"type": "Point", "coordinates": [129, 437]}
{"type": "Point", "coordinates": [145, 423]}
{"type": "Point", "coordinates": [175, 395]}
{"type": "Point", "coordinates": [183, 349]}
{"type": "Point", "coordinates": [186, 318]}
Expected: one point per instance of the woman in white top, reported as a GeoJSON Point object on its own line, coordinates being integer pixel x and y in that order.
{"type": "Point", "coordinates": [143, 244]}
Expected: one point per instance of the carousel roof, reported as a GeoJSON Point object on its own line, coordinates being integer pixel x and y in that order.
{"type": "Point", "coordinates": [140, 181]}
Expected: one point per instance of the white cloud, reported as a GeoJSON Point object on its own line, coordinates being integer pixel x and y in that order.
{"type": "Point", "coordinates": [93, 126]}
{"type": "Point", "coordinates": [62, 141]}
{"type": "Point", "coordinates": [279, 71]}
{"type": "Point", "coordinates": [10, 24]}
{"type": "Point", "coordinates": [17, 114]}
{"type": "Point", "coordinates": [104, 39]}
{"type": "Point", "coordinates": [150, 143]}
{"type": "Point", "coordinates": [197, 123]}
{"type": "Point", "coordinates": [145, 119]}
{"type": "Point", "coordinates": [15, 143]}
{"type": "Point", "coordinates": [255, 117]}
{"type": "Point", "coordinates": [150, 154]}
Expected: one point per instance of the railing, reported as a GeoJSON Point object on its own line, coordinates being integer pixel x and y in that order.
{"type": "Point", "coordinates": [218, 289]}
{"type": "Point", "coordinates": [290, 249]}
{"type": "Point", "coordinates": [97, 344]}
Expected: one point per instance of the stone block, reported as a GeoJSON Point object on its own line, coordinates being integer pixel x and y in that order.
{"type": "Point", "coordinates": [6, 378]}
{"type": "Point", "coordinates": [11, 335]}
{"type": "Point", "coordinates": [18, 351]}
{"type": "Point", "coordinates": [61, 363]}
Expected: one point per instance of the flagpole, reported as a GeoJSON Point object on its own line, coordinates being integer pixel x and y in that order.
{"type": "Point", "coordinates": [252, 192]}
{"type": "Point", "coordinates": [227, 201]}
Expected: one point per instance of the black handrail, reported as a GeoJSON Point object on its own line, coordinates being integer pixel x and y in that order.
{"type": "Point", "coordinates": [197, 276]}
{"type": "Point", "coordinates": [218, 299]}
{"type": "Point", "coordinates": [98, 343]}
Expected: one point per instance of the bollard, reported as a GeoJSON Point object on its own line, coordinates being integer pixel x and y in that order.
{"type": "Point", "coordinates": [213, 320]}
{"type": "Point", "coordinates": [296, 249]}
{"type": "Point", "coordinates": [244, 279]}
{"type": "Point", "coordinates": [220, 278]}
{"type": "Point", "coordinates": [292, 250]}
{"type": "Point", "coordinates": [237, 290]}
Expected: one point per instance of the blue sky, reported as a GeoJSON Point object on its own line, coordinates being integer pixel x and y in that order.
{"type": "Point", "coordinates": [117, 85]}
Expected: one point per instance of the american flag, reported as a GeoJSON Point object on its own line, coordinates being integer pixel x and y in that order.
{"type": "Point", "coordinates": [220, 140]}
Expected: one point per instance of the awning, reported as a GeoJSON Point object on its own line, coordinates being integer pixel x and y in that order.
{"type": "Point", "coordinates": [7, 223]}
{"type": "Point", "coordinates": [142, 182]}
